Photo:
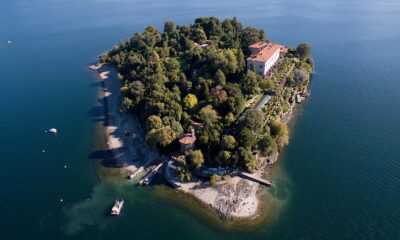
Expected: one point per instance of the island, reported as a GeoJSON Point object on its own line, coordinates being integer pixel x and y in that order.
{"type": "Point", "coordinates": [208, 104]}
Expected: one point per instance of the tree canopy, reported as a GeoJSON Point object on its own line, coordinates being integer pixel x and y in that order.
{"type": "Point", "coordinates": [197, 72]}
{"type": "Point", "coordinates": [303, 50]}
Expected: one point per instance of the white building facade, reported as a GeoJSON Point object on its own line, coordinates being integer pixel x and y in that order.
{"type": "Point", "coordinates": [263, 57]}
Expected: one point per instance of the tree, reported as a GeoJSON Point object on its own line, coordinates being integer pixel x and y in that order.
{"type": "Point", "coordinates": [267, 145]}
{"type": "Point", "coordinates": [303, 50]}
{"type": "Point", "coordinates": [236, 101]}
{"type": "Point", "coordinates": [249, 36]}
{"type": "Point", "coordinates": [224, 157]}
{"type": "Point", "coordinates": [169, 27]}
{"type": "Point", "coordinates": [252, 119]}
{"type": "Point", "coordinates": [229, 118]}
{"type": "Point", "coordinates": [126, 105]}
{"type": "Point", "coordinates": [299, 76]}
{"type": "Point", "coordinates": [160, 137]}
{"type": "Point", "coordinates": [124, 91]}
{"type": "Point", "coordinates": [190, 100]}
{"type": "Point", "coordinates": [219, 78]}
{"type": "Point", "coordinates": [208, 115]}
{"type": "Point", "coordinates": [211, 25]}
{"type": "Point", "coordinates": [247, 138]}
{"type": "Point", "coordinates": [223, 59]}
{"type": "Point", "coordinates": [222, 97]}
{"type": "Point", "coordinates": [241, 60]}
{"type": "Point", "coordinates": [214, 179]}
{"type": "Point", "coordinates": [266, 84]}
{"type": "Point", "coordinates": [210, 135]}
{"type": "Point", "coordinates": [172, 69]}
{"type": "Point", "coordinates": [249, 83]}
{"type": "Point", "coordinates": [153, 122]}
{"type": "Point", "coordinates": [228, 142]}
{"type": "Point", "coordinates": [195, 158]}
{"type": "Point", "coordinates": [199, 35]}
{"type": "Point", "coordinates": [137, 90]}
{"type": "Point", "coordinates": [151, 36]}
{"type": "Point", "coordinates": [280, 132]}
{"type": "Point", "coordinates": [153, 57]}
{"type": "Point", "coordinates": [248, 161]}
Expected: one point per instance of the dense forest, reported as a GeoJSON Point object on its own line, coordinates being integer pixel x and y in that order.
{"type": "Point", "coordinates": [198, 73]}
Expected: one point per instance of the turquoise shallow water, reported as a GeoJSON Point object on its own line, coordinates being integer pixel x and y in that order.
{"type": "Point", "coordinates": [340, 173]}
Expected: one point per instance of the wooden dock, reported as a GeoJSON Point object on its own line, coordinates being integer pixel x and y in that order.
{"type": "Point", "coordinates": [148, 177]}
{"type": "Point", "coordinates": [254, 178]}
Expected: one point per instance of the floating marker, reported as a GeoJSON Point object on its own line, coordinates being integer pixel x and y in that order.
{"type": "Point", "coordinates": [61, 200]}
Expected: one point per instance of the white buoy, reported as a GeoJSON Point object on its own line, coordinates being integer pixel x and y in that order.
{"type": "Point", "coordinates": [65, 166]}
{"type": "Point", "coordinates": [43, 151]}
{"type": "Point", "coordinates": [9, 42]}
{"type": "Point", "coordinates": [53, 130]}
{"type": "Point", "coordinates": [61, 200]}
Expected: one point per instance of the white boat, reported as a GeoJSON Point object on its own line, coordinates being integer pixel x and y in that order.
{"type": "Point", "coordinates": [298, 98]}
{"type": "Point", "coordinates": [53, 130]}
{"type": "Point", "coordinates": [9, 42]}
{"type": "Point", "coordinates": [116, 209]}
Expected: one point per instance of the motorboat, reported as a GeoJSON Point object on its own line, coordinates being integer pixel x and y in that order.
{"type": "Point", "coordinates": [116, 209]}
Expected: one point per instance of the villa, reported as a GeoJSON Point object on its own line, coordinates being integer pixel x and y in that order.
{"type": "Point", "coordinates": [263, 56]}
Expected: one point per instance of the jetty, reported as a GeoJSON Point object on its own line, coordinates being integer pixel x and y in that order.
{"type": "Point", "coordinates": [149, 177]}
{"type": "Point", "coordinates": [136, 172]}
{"type": "Point", "coordinates": [254, 178]}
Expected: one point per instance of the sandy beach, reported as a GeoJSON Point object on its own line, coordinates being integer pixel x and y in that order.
{"type": "Point", "coordinates": [121, 127]}
{"type": "Point", "coordinates": [233, 198]}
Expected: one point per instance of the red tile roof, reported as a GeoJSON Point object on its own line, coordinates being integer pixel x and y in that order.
{"type": "Point", "coordinates": [265, 53]}
{"type": "Point", "coordinates": [197, 124]}
{"type": "Point", "coordinates": [187, 139]}
{"type": "Point", "coordinates": [258, 45]}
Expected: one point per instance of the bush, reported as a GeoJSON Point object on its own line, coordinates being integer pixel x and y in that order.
{"type": "Point", "coordinates": [214, 179]}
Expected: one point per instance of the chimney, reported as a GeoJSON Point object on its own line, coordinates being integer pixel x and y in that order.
{"type": "Point", "coordinates": [193, 133]}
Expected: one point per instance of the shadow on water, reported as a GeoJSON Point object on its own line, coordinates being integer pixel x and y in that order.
{"type": "Point", "coordinates": [97, 115]}
{"type": "Point", "coordinates": [99, 112]}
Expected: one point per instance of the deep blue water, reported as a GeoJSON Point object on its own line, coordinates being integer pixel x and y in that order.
{"type": "Point", "coordinates": [340, 173]}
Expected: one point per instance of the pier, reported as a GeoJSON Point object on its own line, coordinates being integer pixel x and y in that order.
{"type": "Point", "coordinates": [254, 178]}
{"type": "Point", "coordinates": [148, 177]}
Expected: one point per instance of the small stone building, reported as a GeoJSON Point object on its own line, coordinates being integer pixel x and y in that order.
{"type": "Point", "coordinates": [187, 141]}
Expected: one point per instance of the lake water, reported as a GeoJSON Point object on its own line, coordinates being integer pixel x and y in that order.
{"type": "Point", "coordinates": [338, 179]}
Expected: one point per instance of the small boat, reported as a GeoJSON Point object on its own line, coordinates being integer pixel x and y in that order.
{"type": "Point", "coordinates": [298, 98]}
{"type": "Point", "coordinates": [53, 130]}
{"type": "Point", "coordinates": [116, 209]}
{"type": "Point", "coordinates": [9, 42]}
